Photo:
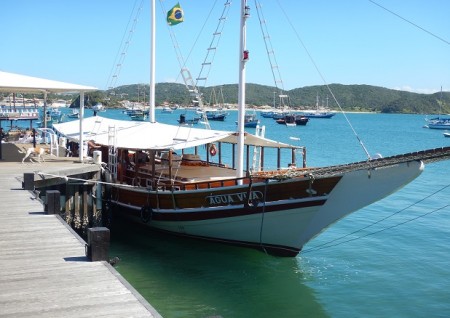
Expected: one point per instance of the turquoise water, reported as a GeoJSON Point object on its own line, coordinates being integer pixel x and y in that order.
{"type": "Point", "coordinates": [390, 259]}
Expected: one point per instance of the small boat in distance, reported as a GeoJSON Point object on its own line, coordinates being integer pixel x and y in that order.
{"type": "Point", "coordinates": [74, 114]}
{"type": "Point", "coordinates": [191, 121]}
{"type": "Point", "coordinates": [216, 114]}
{"type": "Point", "coordinates": [438, 122]}
{"type": "Point", "coordinates": [251, 120]}
{"type": "Point", "coordinates": [167, 109]}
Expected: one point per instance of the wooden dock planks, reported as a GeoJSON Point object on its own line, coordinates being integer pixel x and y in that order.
{"type": "Point", "coordinates": [43, 268]}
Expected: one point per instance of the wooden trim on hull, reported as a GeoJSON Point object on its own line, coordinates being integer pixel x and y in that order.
{"type": "Point", "coordinates": [249, 195]}
{"type": "Point", "coordinates": [216, 213]}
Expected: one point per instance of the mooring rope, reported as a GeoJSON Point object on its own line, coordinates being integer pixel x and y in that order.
{"type": "Point", "coordinates": [66, 178]}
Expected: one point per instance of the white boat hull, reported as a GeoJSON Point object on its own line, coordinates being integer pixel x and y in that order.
{"type": "Point", "coordinates": [282, 230]}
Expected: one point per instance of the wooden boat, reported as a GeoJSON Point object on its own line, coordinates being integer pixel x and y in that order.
{"type": "Point", "coordinates": [202, 184]}
{"type": "Point", "coordinates": [188, 122]}
{"type": "Point", "coordinates": [293, 120]}
{"type": "Point", "coordinates": [301, 120]}
{"type": "Point", "coordinates": [216, 114]}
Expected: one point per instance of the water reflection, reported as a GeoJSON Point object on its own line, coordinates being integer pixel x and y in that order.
{"type": "Point", "coordinates": [189, 278]}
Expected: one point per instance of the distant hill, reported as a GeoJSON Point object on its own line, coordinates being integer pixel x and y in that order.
{"type": "Point", "coordinates": [350, 97]}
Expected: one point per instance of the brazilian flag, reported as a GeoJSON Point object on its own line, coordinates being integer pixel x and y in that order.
{"type": "Point", "coordinates": [175, 15]}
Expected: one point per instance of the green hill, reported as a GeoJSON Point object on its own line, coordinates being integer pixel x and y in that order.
{"type": "Point", "coordinates": [350, 97]}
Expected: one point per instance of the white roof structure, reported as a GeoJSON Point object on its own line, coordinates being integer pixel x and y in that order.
{"type": "Point", "coordinates": [10, 82]}
{"type": "Point", "coordinates": [156, 136]}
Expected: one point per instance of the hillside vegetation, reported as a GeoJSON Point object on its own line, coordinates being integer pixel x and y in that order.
{"type": "Point", "coordinates": [350, 97]}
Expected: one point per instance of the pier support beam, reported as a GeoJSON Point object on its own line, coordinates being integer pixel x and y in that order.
{"type": "Point", "coordinates": [97, 248]}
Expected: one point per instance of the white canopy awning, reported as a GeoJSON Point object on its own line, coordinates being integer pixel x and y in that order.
{"type": "Point", "coordinates": [10, 82]}
{"type": "Point", "coordinates": [156, 136]}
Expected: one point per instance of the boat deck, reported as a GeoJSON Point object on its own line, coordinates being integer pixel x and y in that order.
{"type": "Point", "coordinates": [191, 173]}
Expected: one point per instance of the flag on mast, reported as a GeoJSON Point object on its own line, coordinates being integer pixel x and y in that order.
{"type": "Point", "coordinates": [175, 15]}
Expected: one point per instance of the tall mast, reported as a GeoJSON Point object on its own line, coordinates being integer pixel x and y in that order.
{"type": "Point", "coordinates": [152, 61]}
{"type": "Point", "coordinates": [243, 58]}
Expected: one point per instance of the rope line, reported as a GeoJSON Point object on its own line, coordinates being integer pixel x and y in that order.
{"type": "Point", "coordinates": [410, 22]}
{"type": "Point", "coordinates": [330, 243]}
{"type": "Point", "coordinates": [41, 174]}
{"type": "Point", "coordinates": [324, 81]}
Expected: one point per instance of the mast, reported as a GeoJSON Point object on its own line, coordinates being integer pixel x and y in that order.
{"type": "Point", "coordinates": [243, 58]}
{"type": "Point", "coordinates": [152, 62]}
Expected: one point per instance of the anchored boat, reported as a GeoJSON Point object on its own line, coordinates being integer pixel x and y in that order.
{"type": "Point", "coordinates": [164, 176]}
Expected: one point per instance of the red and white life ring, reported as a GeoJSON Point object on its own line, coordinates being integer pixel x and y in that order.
{"type": "Point", "coordinates": [213, 150]}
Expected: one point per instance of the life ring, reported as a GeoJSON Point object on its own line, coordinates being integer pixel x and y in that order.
{"type": "Point", "coordinates": [213, 150]}
{"type": "Point", "coordinates": [146, 214]}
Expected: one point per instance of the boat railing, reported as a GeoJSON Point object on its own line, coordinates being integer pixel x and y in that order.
{"type": "Point", "coordinates": [159, 181]}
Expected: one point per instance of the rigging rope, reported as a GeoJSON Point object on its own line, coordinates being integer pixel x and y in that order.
{"type": "Point", "coordinates": [125, 43]}
{"type": "Point", "coordinates": [276, 74]}
{"type": "Point", "coordinates": [324, 81]}
{"type": "Point", "coordinates": [410, 22]}
{"type": "Point", "coordinates": [330, 243]}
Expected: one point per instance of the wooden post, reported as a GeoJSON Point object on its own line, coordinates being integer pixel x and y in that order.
{"type": "Point", "coordinates": [28, 181]}
{"type": "Point", "coordinates": [53, 205]}
{"type": "Point", "coordinates": [97, 248]}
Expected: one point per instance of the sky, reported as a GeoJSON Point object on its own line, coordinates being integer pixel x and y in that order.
{"type": "Point", "coordinates": [314, 42]}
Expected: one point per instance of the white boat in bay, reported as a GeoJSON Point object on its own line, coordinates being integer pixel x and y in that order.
{"type": "Point", "coordinates": [438, 123]}
{"type": "Point", "coordinates": [167, 109]}
{"type": "Point", "coordinates": [319, 111]}
{"type": "Point", "coordinates": [214, 185]}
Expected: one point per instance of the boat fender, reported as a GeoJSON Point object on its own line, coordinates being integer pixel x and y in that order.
{"type": "Point", "coordinates": [146, 214]}
{"type": "Point", "coordinates": [213, 150]}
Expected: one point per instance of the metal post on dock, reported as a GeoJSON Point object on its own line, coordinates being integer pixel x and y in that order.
{"type": "Point", "coordinates": [97, 248]}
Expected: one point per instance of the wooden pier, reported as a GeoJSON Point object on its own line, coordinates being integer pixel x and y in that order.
{"type": "Point", "coordinates": [44, 270]}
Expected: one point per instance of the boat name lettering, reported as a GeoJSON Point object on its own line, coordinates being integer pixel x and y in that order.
{"type": "Point", "coordinates": [231, 198]}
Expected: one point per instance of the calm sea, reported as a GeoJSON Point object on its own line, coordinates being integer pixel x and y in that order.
{"type": "Point", "coordinates": [391, 259]}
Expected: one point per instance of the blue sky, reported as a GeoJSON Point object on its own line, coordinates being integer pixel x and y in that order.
{"type": "Point", "coordinates": [350, 41]}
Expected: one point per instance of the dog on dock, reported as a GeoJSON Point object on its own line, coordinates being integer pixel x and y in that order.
{"type": "Point", "coordinates": [35, 152]}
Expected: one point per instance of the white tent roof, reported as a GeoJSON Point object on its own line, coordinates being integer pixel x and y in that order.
{"type": "Point", "coordinates": [157, 136]}
{"type": "Point", "coordinates": [10, 82]}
